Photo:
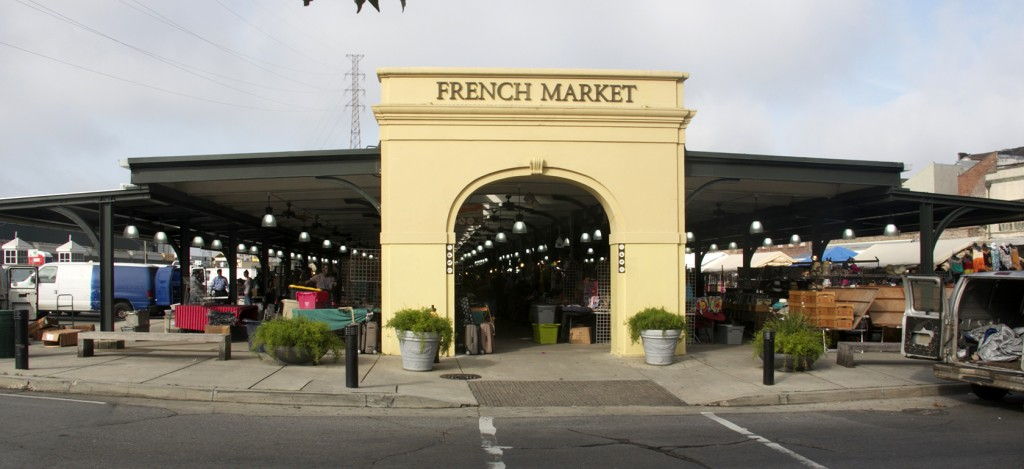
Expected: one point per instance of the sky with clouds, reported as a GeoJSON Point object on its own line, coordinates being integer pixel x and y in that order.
{"type": "Point", "coordinates": [86, 83]}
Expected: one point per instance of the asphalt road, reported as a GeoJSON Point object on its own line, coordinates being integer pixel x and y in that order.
{"type": "Point", "coordinates": [958, 432]}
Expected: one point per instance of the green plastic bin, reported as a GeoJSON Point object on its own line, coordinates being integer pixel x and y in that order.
{"type": "Point", "coordinates": [545, 333]}
{"type": "Point", "coordinates": [6, 334]}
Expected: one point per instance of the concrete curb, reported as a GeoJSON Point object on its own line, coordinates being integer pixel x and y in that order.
{"type": "Point", "coordinates": [244, 396]}
{"type": "Point", "coordinates": [843, 395]}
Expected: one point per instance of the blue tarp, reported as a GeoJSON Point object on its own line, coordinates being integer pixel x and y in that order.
{"type": "Point", "coordinates": [833, 254]}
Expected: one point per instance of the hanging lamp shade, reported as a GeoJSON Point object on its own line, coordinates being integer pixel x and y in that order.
{"type": "Point", "coordinates": [598, 236]}
{"type": "Point", "coordinates": [271, 252]}
{"type": "Point", "coordinates": [327, 244]}
{"type": "Point", "coordinates": [479, 248]}
{"type": "Point", "coordinates": [304, 237]}
{"type": "Point", "coordinates": [733, 245]}
{"type": "Point", "coordinates": [713, 247]}
{"type": "Point", "coordinates": [489, 244]}
{"type": "Point", "coordinates": [160, 237]}
{"type": "Point", "coordinates": [756, 227]}
{"type": "Point", "coordinates": [566, 243]}
{"type": "Point", "coordinates": [198, 242]}
{"type": "Point", "coordinates": [767, 242]}
{"type": "Point", "coordinates": [343, 249]}
{"type": "Point", "coordinates": [559, 244]}
{"type": "Point", "coordinates": [268, 220]}
{"type": "Point", "coordinates": [590, 251]}
{"type": "Point", "coordinates": [689, 250]}
{"type": "Point", "coordinates": [795, 239]}
{"type": "Point", "coordinates": [849, 234]}
{"type": "Point", "coordinates": [280, 254]}
{"type": "Point", "coordinates": [690, 237]}
{"type": "Point", "coordinates": [216, 245]}
{"type": "Point", "coordinates": [891, 230]}
{"type": "Point", "coordinates": [584, 237]}
{"type": "Point", "coordinates": [501, 237]}
{"type": "Point", "coordinates": [519, 227]}
{"type": "Point", "coordinates": [131, 231]}
{"type": "Point", "coordinates": [254, 250]}
{"type": "Point", "coordinates": [363, 254]}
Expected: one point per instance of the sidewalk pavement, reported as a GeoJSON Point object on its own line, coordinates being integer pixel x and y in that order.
{"type": "Point", "coordinates": [709, 375]}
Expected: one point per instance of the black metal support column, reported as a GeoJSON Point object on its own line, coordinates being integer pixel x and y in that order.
{"type": "Point", "coordinates": [698, 274]}
{"type": "Point", "coordinates": [185, 260]}
{"type": "Point", "coordinates": [748, 253]}
{"type": "Point", "coordinates": [286, 270]}
{"type": "Point", "coordinates": [264, 268]}
{"type": "Point", "coordinates": [107, 266]}
{"type": "Point", "coordinates": [818, 247]}
{"type": "Point", "coordinates": [927, 224]}
{"type": "Point", "coordinates": [231, 254]}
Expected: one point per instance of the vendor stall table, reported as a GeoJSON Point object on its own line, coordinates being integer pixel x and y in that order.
{"type": "Point", "coordinates": [193, 317]}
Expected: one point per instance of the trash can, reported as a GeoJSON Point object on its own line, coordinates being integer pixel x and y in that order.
{"type": "Point", "coordinates": [6, 333]}
{"type": "Point", "coordinates": [250, 331]}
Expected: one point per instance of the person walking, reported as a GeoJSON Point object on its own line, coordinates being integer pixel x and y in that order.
{"type": "Point", "coordinates": [246, 288]}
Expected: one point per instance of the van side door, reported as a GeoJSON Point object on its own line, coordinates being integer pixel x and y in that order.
{"type": "Point", "coordinates": [922, 317]}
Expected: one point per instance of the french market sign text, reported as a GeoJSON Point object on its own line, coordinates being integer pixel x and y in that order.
{"type": "Point", "coordinates": [522, 91]}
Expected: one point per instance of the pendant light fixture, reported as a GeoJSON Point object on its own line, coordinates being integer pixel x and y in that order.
{"type": "Point", "coordinates": [479, 248]}
{"type": "Point", "coordinates": [689, 250]}
{"type": "Point", "coordinates": [489, 244]}
{"type": "Point", "coordinates": [501, 237]}
{"type": "Point", "coordinates": [891, 230]}
{"type": "Point", "coordinates": [280, 254]}
{"type": "Point", "coordinates": [584, 237]}
{"type": "Point", "coordinates": [519, 227]}
{"type": "Point", "coordinates": [598, 236]}
{"type": "Point", "coordinates": [160, 237]}
{"type": "Point", "coordinates": [849, 234]}
{"type": "Point", "coordinates": [767, 242]}
{"type": "Point", "coordinates": [566, 243]}
{"type": "Point", "coordinates": [268, 220]}
{"type": "Point", "coordinates": [795, 239]}
{"type": "Point", "coordinates": [733, 245]}
{"type": "Point", "coordinates": [216, 245]}
{"type": "Point", "coordinates": [327, 244]}
{"type": "Point", "coordinates": [198, 242]}
{"type": "Point", "coordinates": [756, 227]}
{"type": "Point", "coordinates": [343, 249]}
{"type": "Point", "coordinates": [713, 247]}
{"type": "Point", "coordinates": [131, 231]}
{"type": "Point", "coordinates": [590, 251]}
{"type": "Point", "coordinates": [254, 250]}
{"type": "Point", "coordinates": [304, 237]}
{"type": "Point", "coordinates": [690, 237]}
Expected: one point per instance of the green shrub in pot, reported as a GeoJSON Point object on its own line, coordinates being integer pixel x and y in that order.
{"type": "Point", "coordinates": [301, 334]}
{"type": "Point", "coordinates": [423, 320]}
{"type": "Point", "coordinates": [660, 331]}
{"type": "Point", "coordinates": [796, 338]}
{"type": "Point", "coordinates": [421, 334]}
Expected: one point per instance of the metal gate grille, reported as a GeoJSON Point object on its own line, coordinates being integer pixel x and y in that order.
{"type": "Point", "coordinates": [362, 278]}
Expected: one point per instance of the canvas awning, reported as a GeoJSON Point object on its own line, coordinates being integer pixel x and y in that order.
{"type": "Point", "coordinates": [733, 262]}
{"type": "Point", "coordinates": [907, 252]}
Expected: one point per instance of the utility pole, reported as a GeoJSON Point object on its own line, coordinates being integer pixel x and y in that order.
{"type": "Point", "coordinates": [356, 89]}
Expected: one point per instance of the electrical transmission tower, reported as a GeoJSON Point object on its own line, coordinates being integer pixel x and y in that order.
{"type": "Point", "coordinates": [356, 90]}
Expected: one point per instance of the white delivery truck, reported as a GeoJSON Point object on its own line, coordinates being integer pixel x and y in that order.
{"type": "Point", "coordinates": [977, 334]}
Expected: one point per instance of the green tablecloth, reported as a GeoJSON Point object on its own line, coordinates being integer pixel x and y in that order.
{"type": "Point", "coordinates": [335, 318]}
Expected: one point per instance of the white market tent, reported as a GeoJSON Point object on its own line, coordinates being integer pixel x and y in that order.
{"type": "Point", "coordinates": [733, 262]}
{"type": "Point", "coordinates": [907, 252]}
{"type": "Point", "coordinates": [708, 258]}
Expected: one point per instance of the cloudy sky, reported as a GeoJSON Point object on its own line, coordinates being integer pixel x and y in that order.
{"type": "Point", "coordinates": [86, 83]}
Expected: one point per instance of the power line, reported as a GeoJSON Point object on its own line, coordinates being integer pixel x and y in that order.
{"type": "Point", "coordinates": [179, 65]}
{"type": "Point", "coordinates": [152, 13]}
{"type": "Point", "coordinates": [146, 85]}
{"type": "Point", "coordinates": [267, 34]}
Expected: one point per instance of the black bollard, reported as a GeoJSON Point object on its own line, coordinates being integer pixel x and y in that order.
{"type": "Point", "coordinates": [352, 356]}
{"type": "Point", "coordinates": [768, 352]}
{"type": "Point", "coordinates": [20, 339]}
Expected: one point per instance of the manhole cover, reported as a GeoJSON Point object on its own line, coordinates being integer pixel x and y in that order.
{"type": "Point", "coordinates": [462, 376]}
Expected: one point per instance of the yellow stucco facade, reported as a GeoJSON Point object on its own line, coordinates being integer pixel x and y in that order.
{"type": "Point", "coordinates": [447, 132]}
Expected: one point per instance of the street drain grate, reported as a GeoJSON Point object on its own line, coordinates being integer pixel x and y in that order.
{"type": "Point", "coordinates": [571, 393]}
{"type": "Point", "coordinates": [461, 376]}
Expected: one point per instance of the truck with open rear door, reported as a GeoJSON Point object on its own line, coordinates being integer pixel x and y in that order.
{"type": "Point", "coordinates": [976, 335]}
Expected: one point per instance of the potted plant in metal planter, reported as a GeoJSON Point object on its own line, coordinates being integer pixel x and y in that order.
{"type": "Point", "coordinates": [297, 341]}
{"type": "Point", "coordinates": [797, 342]}
{"type": "Point", "coordinates": [421, 333]}
{"type": "Point", "coordinates": [660, 331]}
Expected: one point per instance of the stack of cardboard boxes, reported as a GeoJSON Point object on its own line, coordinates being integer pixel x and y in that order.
{"type": "Point", "coordinates": [821, 308]}
{"type": "Point", "coordinates": [51, 334]}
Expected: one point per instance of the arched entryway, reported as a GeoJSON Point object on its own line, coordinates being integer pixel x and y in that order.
{"type": "Point", "coordinates": [618, 136]}
{"type": "Point", "coordinates": [527, 246]}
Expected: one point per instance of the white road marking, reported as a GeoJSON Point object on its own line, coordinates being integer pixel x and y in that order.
{"type": "Point", "coordinates": [52, 398]}
{"type": "Point", "coordinates": [489, 442]}
{"type": "Point", "coordinates": [760, 439]}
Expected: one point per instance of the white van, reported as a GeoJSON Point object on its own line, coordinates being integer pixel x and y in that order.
{"type": "Point", "coordinates": [977, 334]}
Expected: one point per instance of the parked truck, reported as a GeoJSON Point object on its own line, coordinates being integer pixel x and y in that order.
{"type": "Point", "coordinates": [977, 334]}
{"type": "Point", "coordinates": [74, 287]}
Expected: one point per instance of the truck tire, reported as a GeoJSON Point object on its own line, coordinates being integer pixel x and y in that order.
{"type": "Point", "coordinates": [988, 393]}
{"type": "Point", "coordinates": [121, 309]}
